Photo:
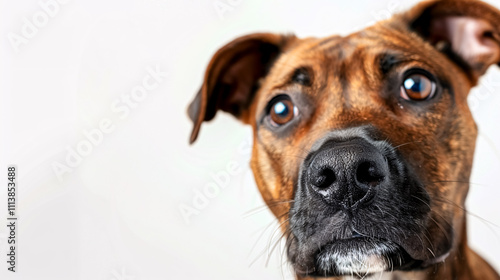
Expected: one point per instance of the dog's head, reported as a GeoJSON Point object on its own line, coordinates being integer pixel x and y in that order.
{"type": "Point", "coordinates": [363, 144]}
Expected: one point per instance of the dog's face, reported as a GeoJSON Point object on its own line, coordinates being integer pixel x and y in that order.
{"type": "Point", "coordinates": [363, 144]}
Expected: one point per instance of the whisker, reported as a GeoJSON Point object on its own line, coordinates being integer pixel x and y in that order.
{"type": "Point", "coordinates": [437, 213]}
{"type": "Point", "coordinates": [407, 143]}
{"type": "Point", "coordinates": [461, 182]}
{"type": "Point", "coordinates": [260, 237]}
{"type": "Point", "coordinates": [452, 203]}
{"type": "Point", "coordinates": [276, 243]}
{"type": "Point", "coordinates": [261, 208]}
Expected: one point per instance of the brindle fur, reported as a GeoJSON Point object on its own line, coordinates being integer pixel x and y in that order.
{"type": "Point", "coordinates": [352, 82]}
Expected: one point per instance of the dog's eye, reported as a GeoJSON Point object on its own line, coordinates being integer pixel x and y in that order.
{"type": "Point", "coordinates": [417, 87]}
{"type": "Point", "coordinates": [281, 110]}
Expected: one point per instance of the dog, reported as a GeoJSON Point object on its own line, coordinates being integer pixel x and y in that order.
{"type": "Point", "coordinates": [363, 144]}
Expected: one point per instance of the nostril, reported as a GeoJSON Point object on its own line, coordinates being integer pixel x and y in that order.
{"type": "Point", "coordinates": [324, 178]}
{"type": "Point", "coordinates": [368, 174]}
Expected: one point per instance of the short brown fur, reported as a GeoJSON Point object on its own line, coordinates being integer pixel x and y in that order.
{"type": "Point", "coordinates": [346, 91]}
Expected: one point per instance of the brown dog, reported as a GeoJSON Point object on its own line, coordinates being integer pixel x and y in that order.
{"type": "Point", "coordinates": [366, 140]}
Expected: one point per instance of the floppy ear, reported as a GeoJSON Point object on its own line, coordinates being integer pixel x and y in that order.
{"type": "Point", "coordinates": [467, 31]}
{"type": "Point", "coordinates": [232, 76]}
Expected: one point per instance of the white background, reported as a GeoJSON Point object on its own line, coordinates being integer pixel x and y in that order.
{"type": "Point", "coordinates": [116, 215]}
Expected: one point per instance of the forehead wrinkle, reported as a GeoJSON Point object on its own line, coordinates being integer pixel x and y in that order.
{"type": "Point", "coordinates": [401, 51]}
{"type": "Point", "coordinates": [281, 71]}
{"type": "Point", "coordinates": [290, 61]}
{"type": "Point", "coordinates": [372, 68]}
{"type": "Point", "coordinates": [352, 73]}
{"type": "Point", "coordinates": [316, 62]}
{"type": "Point", "coordinates": [346, 82]}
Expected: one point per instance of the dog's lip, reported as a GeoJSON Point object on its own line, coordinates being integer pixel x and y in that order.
{"type": "Point", "coordinates": [422, 262]}
{"type": "Point", "coordinates": [357, 239]}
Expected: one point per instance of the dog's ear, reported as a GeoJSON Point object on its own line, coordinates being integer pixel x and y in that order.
{"type": "Point", "coordinates": [467, 31]}
{"type": "Point", "coordinates": [232, 77]}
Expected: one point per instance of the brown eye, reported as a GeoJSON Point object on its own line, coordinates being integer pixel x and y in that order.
{"type": "Point", "coordinates": [417, 87]}
{"type": "Point", "coordinates": [282, 111]}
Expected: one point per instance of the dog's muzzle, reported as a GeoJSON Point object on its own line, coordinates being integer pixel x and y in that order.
{"type": "Point", "coordinates": [358, 208]}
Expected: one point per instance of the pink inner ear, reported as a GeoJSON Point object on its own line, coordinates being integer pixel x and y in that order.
{"type": "Point", "coordinates": [471, 38]}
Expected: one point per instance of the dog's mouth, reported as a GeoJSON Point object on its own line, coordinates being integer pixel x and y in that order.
{"type": "Point", "coordinates": [361, 256]}
{"type": "Point", "coordinates": [357, 255]}
{"type": "Point", "coordinates": [360, 209]}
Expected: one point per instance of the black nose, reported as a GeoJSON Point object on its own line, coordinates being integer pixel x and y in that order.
{"type": "Point", "coordinates": [347, 174]}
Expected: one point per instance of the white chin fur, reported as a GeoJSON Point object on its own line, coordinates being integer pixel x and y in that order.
{"type": "Point", "coordinates": [355, 264]}
{"type": "Point", "coordinates": [370, 264]}
{"type": "Point", "coordinates": [355, 261]}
